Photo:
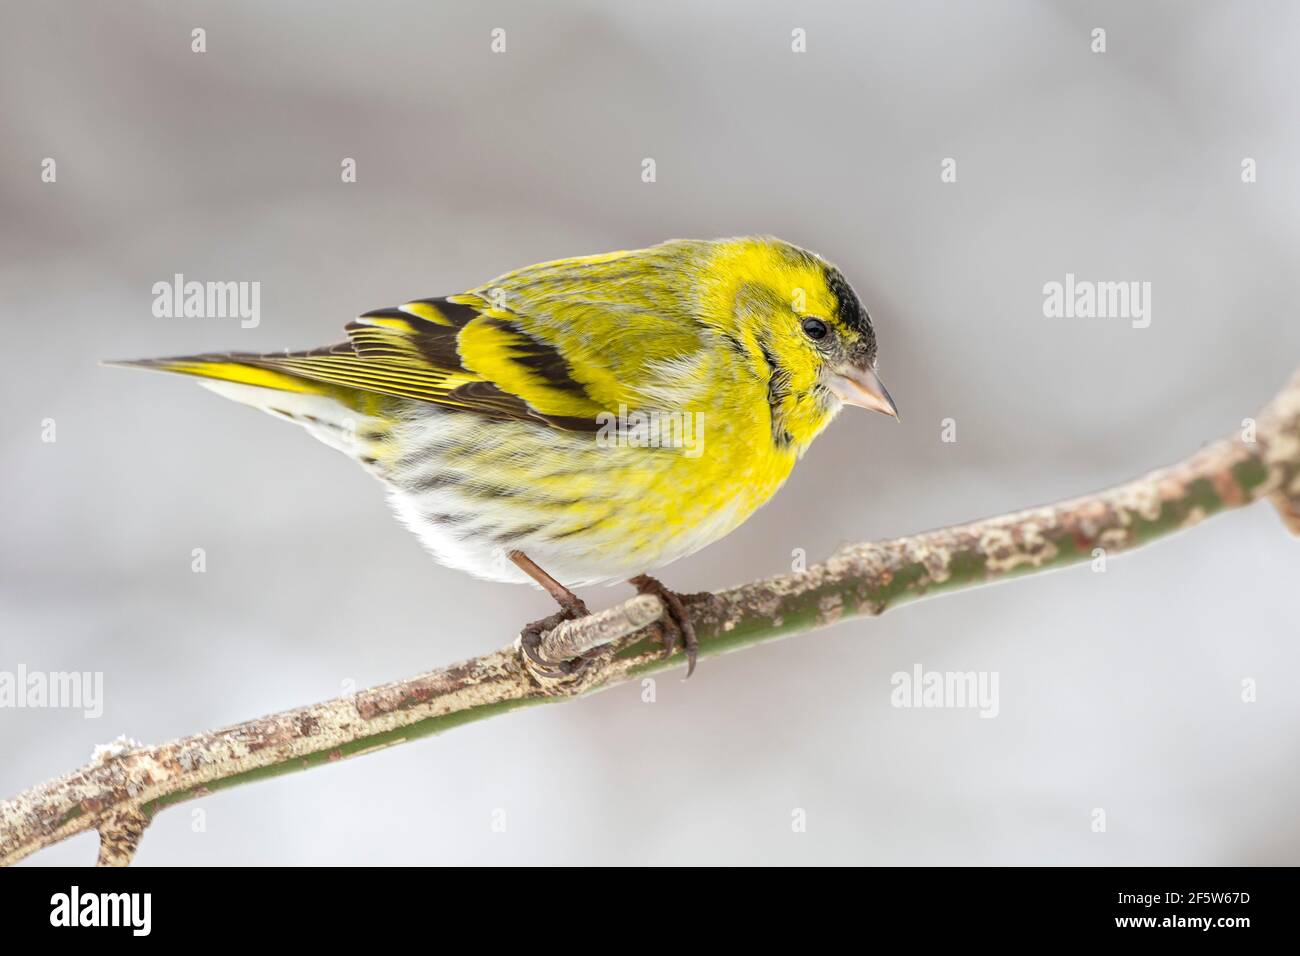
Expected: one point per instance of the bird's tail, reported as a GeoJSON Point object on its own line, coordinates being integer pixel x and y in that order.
{"type": "Point", "coordinates": [356, 422]}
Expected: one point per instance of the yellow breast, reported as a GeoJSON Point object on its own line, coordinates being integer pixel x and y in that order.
{"type": "Point", "coordinates": [587, 510]}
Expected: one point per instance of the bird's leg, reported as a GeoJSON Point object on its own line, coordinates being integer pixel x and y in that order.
{"type": "Point", "coordinates": [676, 623]}
{"type": "Point", "coordinates": [566, 599]}
{"type": "Point", "coordinates": [571, 607]}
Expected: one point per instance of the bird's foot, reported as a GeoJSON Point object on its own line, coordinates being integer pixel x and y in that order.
{"type": "Point", "coordinates": [530, 642]}
{"type": "Point", "coordinates": [572, 607]}
{"type": "Point", "coordinates": [675, 626]}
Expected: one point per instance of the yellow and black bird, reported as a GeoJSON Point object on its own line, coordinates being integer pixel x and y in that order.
{"type": "Point", "coordinates": [596, 417]}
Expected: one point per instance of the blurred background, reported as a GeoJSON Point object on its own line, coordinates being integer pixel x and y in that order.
{"type": "Point", "coordinates": [1119, 691]}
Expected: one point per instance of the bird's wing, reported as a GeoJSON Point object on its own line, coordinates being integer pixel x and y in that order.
{"type": "Point", "coordinates": [458, 352]}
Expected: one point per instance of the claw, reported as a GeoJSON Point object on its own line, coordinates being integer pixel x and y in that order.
{"type": "Point", "coordinates": [530, 641]}
{"type": "Point", "coordinates": [676, 622]}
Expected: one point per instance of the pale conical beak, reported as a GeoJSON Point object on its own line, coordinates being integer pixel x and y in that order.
{"type": "Point", "coordinates": [862, 387]}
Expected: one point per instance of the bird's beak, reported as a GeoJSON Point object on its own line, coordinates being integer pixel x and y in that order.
{"type": "Point", "coordinates": [862, 387]}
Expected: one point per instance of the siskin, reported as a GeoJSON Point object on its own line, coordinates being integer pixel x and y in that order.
{"type": "Point", "coordinates": [597, 417]}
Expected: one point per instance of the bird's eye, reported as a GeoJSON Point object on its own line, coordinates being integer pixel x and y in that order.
{"type": "Point", "coordinates": [814, 328]}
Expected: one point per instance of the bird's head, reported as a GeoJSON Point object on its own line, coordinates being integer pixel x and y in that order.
{"type": "Point", "coordinates": [803, 328]}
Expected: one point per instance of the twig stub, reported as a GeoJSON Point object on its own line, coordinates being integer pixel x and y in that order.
{"type": "Point", "coordinates": [119, 837]}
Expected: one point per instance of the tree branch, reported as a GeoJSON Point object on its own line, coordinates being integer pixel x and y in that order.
{"type": "Point", "coordinates": [124, 786]}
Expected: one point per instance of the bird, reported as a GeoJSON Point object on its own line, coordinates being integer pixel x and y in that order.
{"type": "Point", "coordinates": [585, 420]}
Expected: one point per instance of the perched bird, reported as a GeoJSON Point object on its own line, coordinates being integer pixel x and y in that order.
{"type": "Point", "coordinates": [596, 417]}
